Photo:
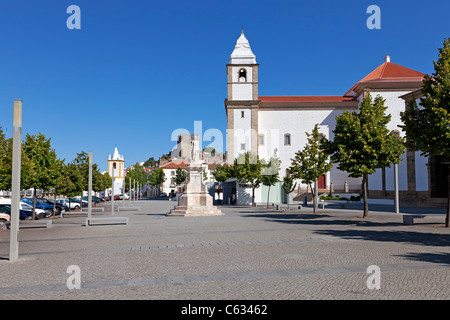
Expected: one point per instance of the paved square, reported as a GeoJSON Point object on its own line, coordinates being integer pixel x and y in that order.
{"type": "Point", "coordinates": [248, 253]}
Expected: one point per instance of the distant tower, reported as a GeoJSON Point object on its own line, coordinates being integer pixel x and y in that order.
{"type": "Point", "coordinates": [116, 166]}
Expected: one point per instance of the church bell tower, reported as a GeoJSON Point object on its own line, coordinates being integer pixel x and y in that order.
{"type": "Point", "coordinates": [242, 100]}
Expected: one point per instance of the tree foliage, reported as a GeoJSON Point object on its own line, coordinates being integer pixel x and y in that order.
{"type": "Point", "coordinates": [288, 186]}
{"type": "Point", "coordinates": [270, 173]}
{"type": "Point", "coordinates": [362, 142]}
{"type": "Point", "coordinates": [247, 170]}
{"type": "Point", "coordinates": [223, 172]}
{"type": "Point", "coordinates": [427, 127]}
{"type": "Point", "coordinates": [180, 176]}
{"type": "Point", "coordinates": [157, 177]}
{"type": "Point", "coordinates": [311, 162]}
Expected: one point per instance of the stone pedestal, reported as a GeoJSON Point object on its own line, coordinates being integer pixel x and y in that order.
{"type": "Point", "coordinates": [195, 201]}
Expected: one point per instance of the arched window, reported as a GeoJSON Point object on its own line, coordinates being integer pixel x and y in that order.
{"type": "Point", "coordinates": [242, 75]}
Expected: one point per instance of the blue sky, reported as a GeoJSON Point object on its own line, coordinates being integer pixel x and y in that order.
{"type": "Point", "coordinates": [139, 69]}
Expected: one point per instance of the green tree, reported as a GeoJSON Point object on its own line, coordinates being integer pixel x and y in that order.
{"type": "Point", "coordinates": [106, 181]}
{"type": "Point", "coordinates": [222, 173]}
{"type": "Point", "coordinates": [247, 170]}
{"type": "Point", "coordinates": [180, 176]}
{"type": "Point", "coordinates": [82, 162]}
{"type": "Point", "coordinates": [288, 186]}
{"type": "Point", "coordinates": [427, 127]}
{"type": "Point", "coordinates": [362, 143]}
{"type": "Point", "coordinates": [43, 164]}
{"type": "Point", "coordinates": [151, 162]}
{"type": "Point", "coordinates": [157, 177]}
{"type": "Point", "coordinates": [310, 163]}
{"type": "Point", "coordinates": [136, 173]}
{"type": "Point", "coordinates": [270, 173]}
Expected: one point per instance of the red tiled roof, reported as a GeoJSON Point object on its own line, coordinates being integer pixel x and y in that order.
{"type": "Point", "coordinates": [175, 164]}
{"type": "Point", "coordinates": [305, 98]}
{"type": "Point", "coordinates": [391, 72]}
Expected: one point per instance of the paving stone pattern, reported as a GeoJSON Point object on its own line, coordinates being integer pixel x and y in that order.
{"type": "Point", "coordinates": [248, 253]}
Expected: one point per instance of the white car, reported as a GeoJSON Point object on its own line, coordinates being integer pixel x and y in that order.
{"type": "Point", "coordinates": [38, 213]}
{"type": "Point", "coordinates": [73, 204]}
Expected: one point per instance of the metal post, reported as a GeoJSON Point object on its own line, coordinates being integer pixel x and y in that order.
{"type": "Point", "coordinates": [123, 193]}
{"type": "Point", "coordinates": [15, 183]}
{"type": "Point", "coordinates": [396, 198]}
{"type": "Point", "coordinates": [112, 194]}
{"type": "Point", "coordinates": [90, 187]}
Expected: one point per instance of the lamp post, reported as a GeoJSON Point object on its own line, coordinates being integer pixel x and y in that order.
{"type": "Point", "coordinates": [396, 198]}
{"type": "Point", "coordinates": [15, 183]}
{"type": "Point", "coordinates": [90, 187]}
{"type": "Point", "coordinates": [112, 194]}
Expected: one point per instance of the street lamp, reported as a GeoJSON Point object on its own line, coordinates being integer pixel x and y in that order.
{"type": "Point", "coordinates": [15, 183]}
{"type": "Point", "coordinates": [90, 187]}
{"type": "Point", "coordinates": [396, 196]}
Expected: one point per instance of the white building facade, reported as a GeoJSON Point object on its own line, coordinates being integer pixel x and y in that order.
{"type": "Point", "coordinates": [263, 124]}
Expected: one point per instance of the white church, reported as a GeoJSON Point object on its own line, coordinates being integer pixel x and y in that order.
{"type": "Point", "coordinates": [261, 124]}
{"type": "Point", "coordinates": [116, 170]}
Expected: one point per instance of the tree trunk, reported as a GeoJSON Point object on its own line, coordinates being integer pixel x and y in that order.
{"type": "Point", "coordinates": [313, 198]}
{"type": "Point", "coordinates": [288, 200]}
{"type": "Point", "coordinates": [54, 204]}
{"type": "Point", "coordinates": [365, 196]}
{"type": "Point", "coordinates": [253, 196]}
{"type": "Point", "coordinates": [447, 218]}
{"type": "Point", "coordinates": [34, 204]}
{"type": "Point", "coordinates": [316, 198]}
{"type": "Point", "coordinates": [268, 194]}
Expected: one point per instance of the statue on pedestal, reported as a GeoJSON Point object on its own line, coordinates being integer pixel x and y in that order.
{"type": "Point", "coordinates": [195, 150]}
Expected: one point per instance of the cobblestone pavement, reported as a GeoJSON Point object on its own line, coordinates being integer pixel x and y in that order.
{"type": "Point", "coordinates": [248, 253]}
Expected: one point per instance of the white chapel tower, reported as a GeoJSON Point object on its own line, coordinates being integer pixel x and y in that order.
{"type": "Point", "coordinates": [116, 166]}
{"type": "Point", "coordinates": [242, 100]}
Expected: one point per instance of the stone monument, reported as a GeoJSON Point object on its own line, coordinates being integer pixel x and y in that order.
{"type": "Point", "coordinates": [195, 201]}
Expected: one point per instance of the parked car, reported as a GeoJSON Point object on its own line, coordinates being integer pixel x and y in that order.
{"type": "Point", "coordinates": [73, 205]}
{"type": "Point", "coordinates": [163, 194]}
{"type": "Point", "coordinates": [94, 199]}
{"type": "Point", "coordinates": [4, 220]}
{"type": "Point", "coordinates": [6, 208]}
{"type": "Point", "coordinates": [39, 213]}
{"type": "Point", "coordinates": [77, 199]}
{"type": "Point", "coordinates": [45, 204]}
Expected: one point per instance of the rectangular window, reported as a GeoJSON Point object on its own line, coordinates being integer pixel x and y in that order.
{"type": "Point", "coordinates": [242, 146]}
{"type": "Point", "coordinates": [242, 114]}
{"type": "Point", "coordinates": [287, 139]}
{"type": "Point", "coordinates": [261, 139]}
